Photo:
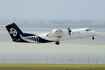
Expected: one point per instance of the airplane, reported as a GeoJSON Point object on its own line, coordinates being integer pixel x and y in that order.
{"type": "Point", "coordinates": [55, 35]}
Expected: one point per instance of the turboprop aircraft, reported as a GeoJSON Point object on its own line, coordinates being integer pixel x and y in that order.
{"type": "Point", "coordinates": [55, 35]}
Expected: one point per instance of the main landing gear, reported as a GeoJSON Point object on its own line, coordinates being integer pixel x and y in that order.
{"type": "Point", "coordinates": [93, 38]}
{"type": "Point", "coordinates": [57, 42]}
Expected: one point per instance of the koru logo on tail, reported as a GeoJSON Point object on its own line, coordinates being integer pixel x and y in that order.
{"type": "Point", "coordinates": [13, 31]}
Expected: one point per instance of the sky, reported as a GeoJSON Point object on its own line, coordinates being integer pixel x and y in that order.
{"type": "Point", "coordinates": [53, 9]}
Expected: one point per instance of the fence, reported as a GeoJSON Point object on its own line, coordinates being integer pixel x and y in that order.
{"type": "Point", "coordinates": [52, 61]}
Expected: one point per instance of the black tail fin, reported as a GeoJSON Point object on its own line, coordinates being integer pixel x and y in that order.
{"type": "Point", "coordinates": [14, 31]}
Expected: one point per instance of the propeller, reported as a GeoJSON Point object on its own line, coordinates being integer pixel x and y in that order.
{"type": "Point", "coordinates": [68, 28]}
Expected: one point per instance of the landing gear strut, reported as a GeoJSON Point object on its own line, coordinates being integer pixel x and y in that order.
{"type": "Point", "coordinates": [57, 42]}
{"type": "Point", "coordinates": [93, 38]}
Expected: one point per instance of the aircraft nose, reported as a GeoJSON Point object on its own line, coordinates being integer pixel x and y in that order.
{"type": "Point", "coordinates": [96, 33]}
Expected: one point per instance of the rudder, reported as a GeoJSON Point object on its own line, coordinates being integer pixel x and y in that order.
{"type": "Point", "coordinates": [14, 31]}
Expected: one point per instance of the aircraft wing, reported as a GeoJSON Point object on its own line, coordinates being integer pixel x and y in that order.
{"type": "Point", "coordinates": [55, 33]}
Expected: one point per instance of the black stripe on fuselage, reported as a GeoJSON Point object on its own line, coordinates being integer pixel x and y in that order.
{"type": "Point", "coordinates": [41, 40]}
{"type": "Point", "coordinates": [33, 37]}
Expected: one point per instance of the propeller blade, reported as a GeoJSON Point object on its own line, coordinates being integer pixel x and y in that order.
{"type": "Point", "coordinates": [70, 32]}
{"type": "Point", "coordinates": [68, 28]}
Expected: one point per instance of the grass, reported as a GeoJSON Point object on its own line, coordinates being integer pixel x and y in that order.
{"type": "Point", "coordinates": [53, 66]}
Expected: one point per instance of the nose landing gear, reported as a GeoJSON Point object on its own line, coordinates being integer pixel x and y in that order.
{"type": "Point", "coordinates": [93, 38]}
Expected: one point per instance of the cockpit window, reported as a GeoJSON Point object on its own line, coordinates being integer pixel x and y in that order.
{"type": "Point", "coordinates": [88, 29]}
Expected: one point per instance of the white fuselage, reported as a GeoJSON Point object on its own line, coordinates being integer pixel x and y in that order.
{"type": "Point", "coordinates": [76, 33]}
